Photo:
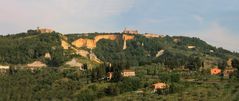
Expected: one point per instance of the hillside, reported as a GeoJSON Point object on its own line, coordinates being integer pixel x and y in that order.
{"type": "Point", "coordinates": [114, 66]}
{"type": "Point", "coordinates": [127, 49]}
{"type": "Point", "coordinates": [26, 47]}
{"type": "Point", "coordinates": [141, 49]}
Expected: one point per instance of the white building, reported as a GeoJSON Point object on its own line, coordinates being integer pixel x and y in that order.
{"type": "Point", "coordinates": [4, 67]}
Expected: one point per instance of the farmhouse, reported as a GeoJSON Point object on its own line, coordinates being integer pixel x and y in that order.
{"type": "Point", "coordinates": [191, 47]}
{"type": "Point", "coordinates": [3, 69]}
{"type": "Point", "coordinates": [124, 73]}
{"type": "Point", "coordinates": [128, 73]}
{"type": "Point", "coordinates": [215, 71]}
{"type": "Point", "coordinates": [159, 86]}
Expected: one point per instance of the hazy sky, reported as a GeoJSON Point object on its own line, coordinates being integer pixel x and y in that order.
{"type": "Point", "coordinates": [216, 21]}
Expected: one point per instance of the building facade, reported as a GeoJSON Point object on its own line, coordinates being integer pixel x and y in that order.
{"type": "Point", "coordinates": [128, 73]}
{"type": "Point", "coordinates": [130, 31]}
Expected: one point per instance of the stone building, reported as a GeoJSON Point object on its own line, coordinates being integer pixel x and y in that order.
{"type": "Point", "coordinates": [130, 31]}
{"type": "Point", "coordinates": [159, 86]}
{"type": "Point", "coordinates": [44, 30]}
{"type": "Point", "coordinates": [4, 69]}
{"type": "Point", "coordinates": [215, 71]}
{"type": "Point", "coordinates": [128, 73]}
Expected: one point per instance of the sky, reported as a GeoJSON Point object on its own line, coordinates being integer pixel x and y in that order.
{"type": "Point", "coordinates": [215, 21]}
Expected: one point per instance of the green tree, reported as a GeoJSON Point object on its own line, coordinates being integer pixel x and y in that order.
{"type": "Point", "coordinates": [117, 76]}
{"type": "Point", "coordinates": [235, 63]}
{"type": "Point", "coordinates": [58, 58]}
{"type": "Point", "coordinates": [194, 63]}
{"type": "Point", "coordinates": [98, 73]}
{"type": "Point", "coordinates": [85, 66]}
{"type": "Point", "coordinates": [222, 64]}
{"type": "Point", "coordinates": [175, 77]}
{"type": "Point", "coordinates": [117, 72]}
{"type": "Point", "coordinates": [112, 90]}
{"type": "Point", "coordinates": [87, 95]}
{"type": "Point", "coordinates": [130, 84]}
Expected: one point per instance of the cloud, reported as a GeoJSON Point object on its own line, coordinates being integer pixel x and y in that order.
{"type": "Point", "coordinates": [156, 16]}
{"type": "Point", "coordinates": [198, 18]}
{"type": "Point", "coordinates": [220, 36]}
{"type": "Point", "coordinates": [62, 15]}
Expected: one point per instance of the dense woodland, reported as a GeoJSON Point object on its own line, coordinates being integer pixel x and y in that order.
{"type": "Point", "coordinates": [27, 47]}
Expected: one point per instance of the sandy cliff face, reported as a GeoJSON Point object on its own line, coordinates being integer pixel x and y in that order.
{"type": "Point", "coordinates": [109, 37]}
{"type": "Point", "coordinates": [91, 43]}
{"type": "Point", "coordinates": [64, 44]}
{"type": "Point", "coordinates": [83, 53]}
{"type": "Point", "coordinates": [128, 37]}
{"type": "Point", "coordinates": [74, 63]}
{"type": "Point", "coordinates": [36, 64]}
{"type": "Point", "coordinates": [125, 38]}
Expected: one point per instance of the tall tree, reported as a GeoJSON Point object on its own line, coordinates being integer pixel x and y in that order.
{"type": "Point", "coordinates": [194, 63]}
{"type": "Point", "coordinates": [117, 70]}
{"type": "Point", "coordinates": [222, 64]}
{"type": "Point", "coordinates": [235, 63]}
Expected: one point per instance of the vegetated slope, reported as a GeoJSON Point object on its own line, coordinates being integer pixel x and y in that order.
{"type": "Point", "coordinates": [176, 51]}
{"type": "Point", "coordinates": [171, 51]}
{"type": "Point", "coordinates": [88, 85]}
{"type": "Point", "coordinates": [26, 47]}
